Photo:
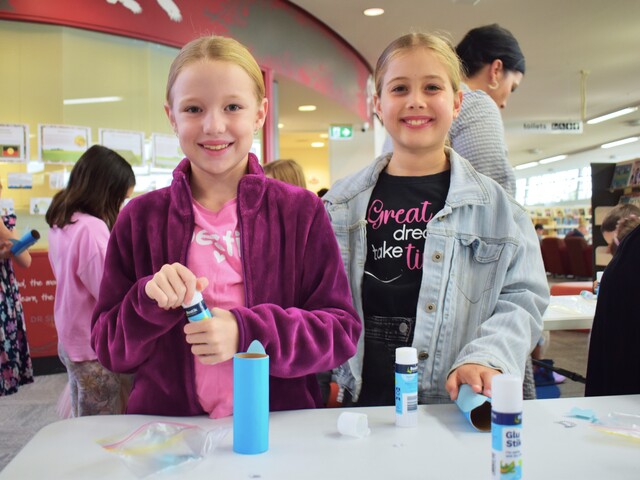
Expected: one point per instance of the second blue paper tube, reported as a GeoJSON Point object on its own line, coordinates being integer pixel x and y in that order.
{"type": "Point", "coordinates": [251, 401]}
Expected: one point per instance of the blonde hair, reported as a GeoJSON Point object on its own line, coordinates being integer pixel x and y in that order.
{"type": "Point", "coordinates": [288, 171]}
{"type": "Point", "coordinates": [438, 44]}
{"type": "Point", "coordinates": [223, 49]}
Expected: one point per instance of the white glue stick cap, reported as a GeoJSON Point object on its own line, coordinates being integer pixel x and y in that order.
{"type": "Point", "coordinates": [506, 393]}
{"type": "Point", "coordinates": [197, 298]}
{"type": "Point", "coordinates": [406, 356]}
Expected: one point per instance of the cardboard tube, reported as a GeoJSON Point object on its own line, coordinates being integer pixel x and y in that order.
{"type": "Point", "coordinates": [251, 400]}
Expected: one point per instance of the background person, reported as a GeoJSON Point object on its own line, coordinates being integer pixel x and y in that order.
{"type": "Point", "coordinates": [81, 216]}
{"type": "Point", "coordinates": [288, 171]}
{"type": "Point", "coordinates": [15, 361]}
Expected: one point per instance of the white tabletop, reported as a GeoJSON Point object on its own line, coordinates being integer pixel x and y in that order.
{"type": "Point", "coordinates": [306, 445]}
{"type": "Point", "coordinates": [569, 312]}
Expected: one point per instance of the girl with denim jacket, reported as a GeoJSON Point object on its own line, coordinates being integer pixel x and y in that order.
{"type": "Point", "coordinates": [250, 244]}
{"type": "Point", "coordinates": [439, 257]}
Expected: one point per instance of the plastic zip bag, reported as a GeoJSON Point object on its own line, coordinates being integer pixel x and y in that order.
{"type": "Point", "coordinates": [625, 424]}
{"type": "Point", "coordinates": [157, 446]}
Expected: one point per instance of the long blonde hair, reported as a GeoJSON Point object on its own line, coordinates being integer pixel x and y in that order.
{"type": "Point", "coordinates": [214, 47]}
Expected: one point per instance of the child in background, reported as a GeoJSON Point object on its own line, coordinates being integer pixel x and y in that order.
{"type": "Point", "coordinates": [288, 171]}
{"type": "Point", "coordinates": [81, 217]}
{"type": "Point", "coordinates": [15, 360]}
{"type": "Point", "coordinates": [439, 257]}
{"type": "Point", "coordinates": [249, 243]}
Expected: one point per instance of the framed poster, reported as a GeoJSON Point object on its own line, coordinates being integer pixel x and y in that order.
{"type": "Point", "coordinates": [166, 152]}
{"type": "Point", "coordinates": [14, 143]}
{"type": "Point", "coordinates": [128, 143]}
{"type": "Point", "coordinates": [62, 143]}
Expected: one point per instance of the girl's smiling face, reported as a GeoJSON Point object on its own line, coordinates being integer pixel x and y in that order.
{"type": "Point", "coordinates": [215, 113]}
{"type": "Point", "coordinates": [416, 102]}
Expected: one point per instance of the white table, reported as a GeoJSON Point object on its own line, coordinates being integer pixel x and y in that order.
{"type": "Point", "coordinates": [569, 312]}
{"type": "Point", "coordinates": [305, 445]}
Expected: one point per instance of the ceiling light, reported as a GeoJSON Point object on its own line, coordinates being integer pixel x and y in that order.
{"type": "Point", "coordinates": [373, 12]}
{"type": "Point", "coordinates": [317, 144]}
{"type": "Point", "coordinates": [544, 161]}
{"type": "Point", "coordinates": [624, 141]}
{"type": "Point", "coordinates": [307, 108]}
{"type": "Point", "coordinates": [324, 135]}
{"type": "Point", "coordinates": [609, 116]}
{"type": "Point", "coordinates": [82, 101]}
{"type": "Point", "coordinates": [526, 165]}
{"type": "Point", "coordinates": [281, 125]}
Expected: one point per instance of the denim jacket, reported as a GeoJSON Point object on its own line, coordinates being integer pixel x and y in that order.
{"type": "Point", "coordinates": [484, 286]}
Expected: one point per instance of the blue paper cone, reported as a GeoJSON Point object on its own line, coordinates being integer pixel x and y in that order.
{"type": "Point", "coordinates": [251, 400]}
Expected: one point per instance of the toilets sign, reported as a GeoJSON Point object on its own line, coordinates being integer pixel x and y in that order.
{"type": "Point", "coordinates": [563, 126]}
{"type": "Point", "coordinates": [341, 132]}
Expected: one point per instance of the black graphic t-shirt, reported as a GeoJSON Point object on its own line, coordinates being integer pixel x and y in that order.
{"type": "Point", "coordinates": [397, 217]}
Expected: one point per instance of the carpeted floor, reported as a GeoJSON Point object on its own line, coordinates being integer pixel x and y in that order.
{"type": "Point", "coordinates": [24, 413]}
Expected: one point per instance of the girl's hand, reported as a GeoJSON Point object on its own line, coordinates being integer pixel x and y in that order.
{"type": "Point", "coordinates": [172, 285]}
{"type": "Point", "coordinates": [5, 249]}
{"type": "Point", "coordinates": [478, 377]}
{"type": "Point", "coordinates": [214, 340]}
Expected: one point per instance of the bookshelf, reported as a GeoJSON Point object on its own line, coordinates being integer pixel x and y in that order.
{"type": "Point", "coordinates": [558, 221]}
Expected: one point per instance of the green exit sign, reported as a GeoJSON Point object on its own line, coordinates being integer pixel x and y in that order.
{"type": "Point", "coordinates": [341, 132]}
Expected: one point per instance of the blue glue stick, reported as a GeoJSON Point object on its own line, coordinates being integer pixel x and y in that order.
{"type": "Point", "coordinates": [25, 242]}
{"type": "Point", "coordinates": [406, 387]}
{"type": "Point", "coordinates": [506, 427]}
{"type": "Point", "coordinates": [196, 309]}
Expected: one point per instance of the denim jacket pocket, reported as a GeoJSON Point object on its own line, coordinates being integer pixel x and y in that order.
{"type": "Point", "coordinates": [476, 267]}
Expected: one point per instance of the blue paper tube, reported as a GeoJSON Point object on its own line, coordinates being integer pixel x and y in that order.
{"type": "Point", "coordinates": [251, 400]}
{"type": "Point", "coordinates": [475, 407]}
{"type": "Point", "coordinates": [25, 242]}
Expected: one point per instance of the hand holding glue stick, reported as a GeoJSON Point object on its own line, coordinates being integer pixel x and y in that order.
{"type": "Point", "coordinates": [213, 335]}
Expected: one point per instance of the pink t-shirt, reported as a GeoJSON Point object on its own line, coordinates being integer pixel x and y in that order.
{"type": "Point", "coordinates": [215, 254]}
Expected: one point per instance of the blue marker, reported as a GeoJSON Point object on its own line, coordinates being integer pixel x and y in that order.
{"type": "Point", "coordinates": [196, 309]}
{"type": "Point", "coordinates": [25, 242]}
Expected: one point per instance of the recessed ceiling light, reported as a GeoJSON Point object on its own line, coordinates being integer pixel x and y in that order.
{"type": "Point", "coordinates": [544, 161]}
{"type": "Point", "coordinates": [81, 101]}
{"type": "Point", "coordinates": [307, 108]}
{"type": "Point", "coordinates": [324, 135]}
{"type": "Point", "coordinates": [373, 12]}
{"type": "Point", "coordinates": [317, 144]}
{"type": "Point", "coordinates": [281, 125]}
{"type": "Point", "coordinates": [609, 116]}
{"type": "Point", "coordinates": [624, 141]}
{"type": "Point", "coordinates": [526, 165]}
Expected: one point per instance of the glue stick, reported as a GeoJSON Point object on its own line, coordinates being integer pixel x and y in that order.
{"type": "Point", "coordinates": [406, 387]}
{"type": "Point", "coordinates": [506, 427]}
{"type": "Point", "coordinates": [196, 309]}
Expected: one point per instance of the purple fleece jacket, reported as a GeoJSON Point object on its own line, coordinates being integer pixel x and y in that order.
{"type": "Point", "coordinates": [298, 302]}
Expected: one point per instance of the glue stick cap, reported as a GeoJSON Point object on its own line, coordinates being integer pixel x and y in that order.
{"type": "Point", "coordinates": [406, 356]}
{"type": "Point", "coordinates": [196, 299]}
{"type": "Point", "coordinates": [506, 393]}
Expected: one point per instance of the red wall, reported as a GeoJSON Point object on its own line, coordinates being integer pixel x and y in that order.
{"type": "Point", "coordinates": [37, 289]}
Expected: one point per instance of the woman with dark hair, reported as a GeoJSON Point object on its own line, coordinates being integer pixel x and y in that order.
{"type": "Point", "coordinates": [493, 67]}
{"type": "Point", "coordinates": [81, 217]}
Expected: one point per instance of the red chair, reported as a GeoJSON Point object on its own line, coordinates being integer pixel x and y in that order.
{"type": "Point", "coordinates": [554, 256]}
{"type": "Point", "coordinates": [580, 256]}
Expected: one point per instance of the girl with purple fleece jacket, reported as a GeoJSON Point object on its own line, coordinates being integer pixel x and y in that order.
{"type": "Point", "coordinates": [262, 253]}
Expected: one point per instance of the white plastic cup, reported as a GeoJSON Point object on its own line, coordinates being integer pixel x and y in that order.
{"type": "Point", "coordinates": [353, 424]}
